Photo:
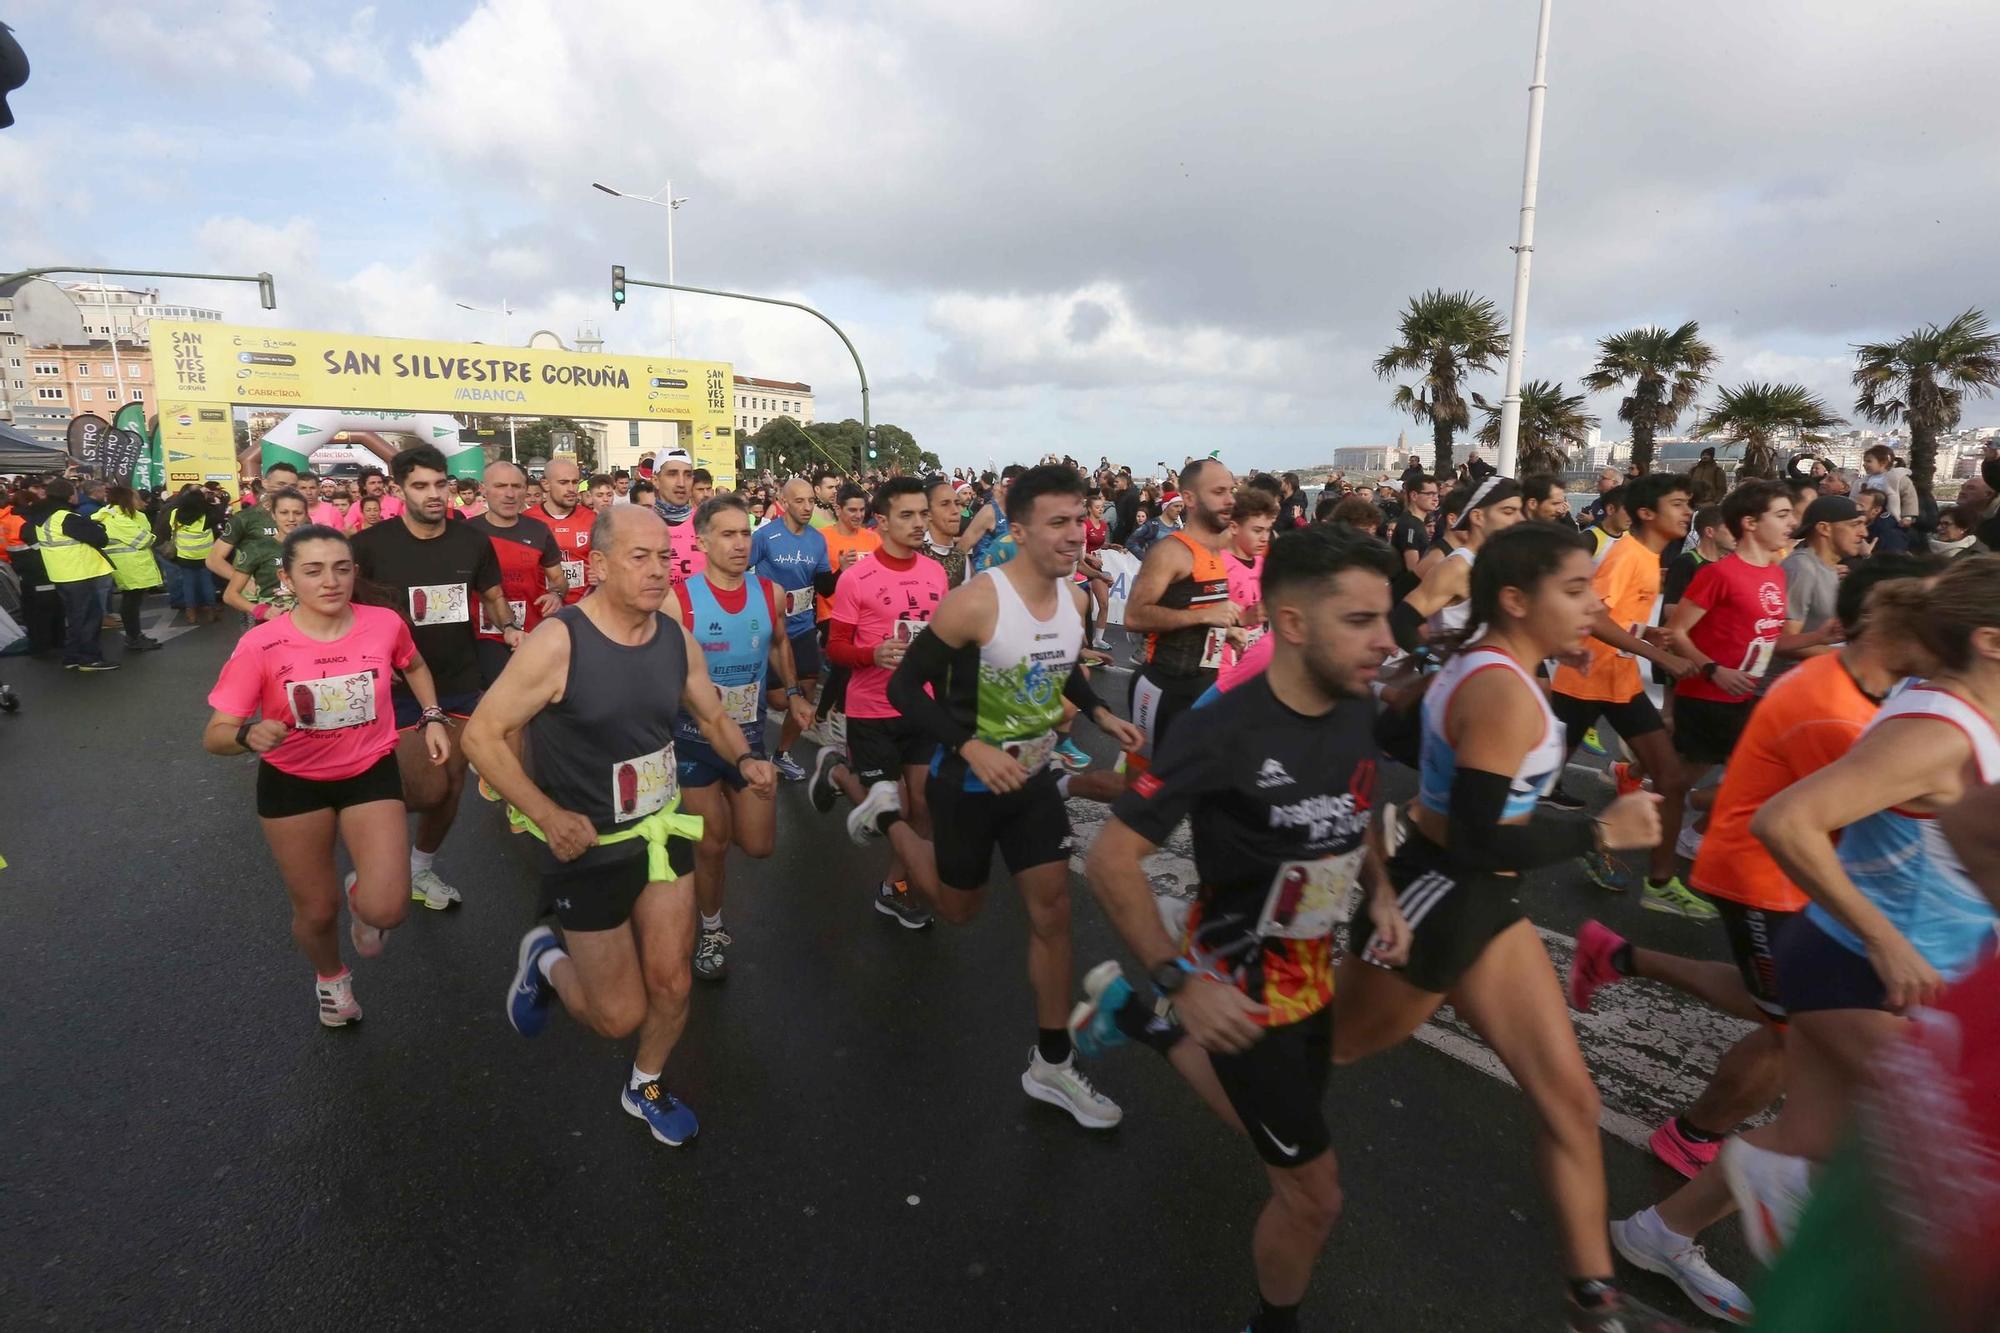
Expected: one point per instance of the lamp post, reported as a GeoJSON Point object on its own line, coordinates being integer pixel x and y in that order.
{"type": "Point", "coordinates": [1524, 250]}
{"type": "Point", "coordinates": [506, 313]}
{"type": "Point", "coordinates": [663, 198]}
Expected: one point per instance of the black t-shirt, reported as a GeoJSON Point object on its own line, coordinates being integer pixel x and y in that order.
{"type": "Point", "coordinates": [1679, 574]}
{"type": "Point", "coordinates": [1293, 513]}
{"type": "Point", "coordinates": [436, 584]}
{"type": "Point", "coordinates": [1278, 804]}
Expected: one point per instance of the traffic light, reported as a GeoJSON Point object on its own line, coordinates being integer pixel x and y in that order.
{"type": "Point", "coordinates": [871, 444]}
{"type": "Point", "coordinates": [267, 291]}
{"type": "Point", "coordinates": [617, 286]}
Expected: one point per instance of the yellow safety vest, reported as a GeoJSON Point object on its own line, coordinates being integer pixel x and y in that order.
{"type": "Point", "coordinates": [194, 542]}
{"type": "Point", "coordinates": [131, 548]}
{"type": "Point", "coordinates": [66, 559]}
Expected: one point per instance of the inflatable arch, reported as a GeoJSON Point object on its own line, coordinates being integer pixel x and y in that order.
{"type": "Point", "coordinates": [308, 433]}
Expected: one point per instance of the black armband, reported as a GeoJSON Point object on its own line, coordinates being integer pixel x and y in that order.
{"type": "Point", "coordinates": [1077, 690]}
{"type": "Point", "coordinates": [1406, 624]}
{"type": "Point", "coordinates": [927, 661]}
{"type": "Point", "coordinates": [1479, 841]}
{"type": "Point", "coordinates": [823, 583]}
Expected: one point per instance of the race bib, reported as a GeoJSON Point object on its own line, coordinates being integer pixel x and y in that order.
{"type": "Point", "coordinates": [1309, 898]}
{"type": "Point", "coordinates": [1212, 646]}
{"type": "Point", "coordinates": [439, 604]}
{"type": "Point", "coordinates": [520, 610]}
{"type": "Point", "coordinates": [798, 601]}
{"type": "Point", "coordinates": [742, 702]}
{"type": "Point", "coordinates": [333, 702]}
{"type": "Point", "coordinates": [573, 571]}
{"type": "Point", "coordinates": [907, 630]}
{"type": "Point", "coordinates": [641, 786]}
{"type": "Point", "coordinates": [1757, 658]}
{"type": "Point", "coordinates": [1033, 752]}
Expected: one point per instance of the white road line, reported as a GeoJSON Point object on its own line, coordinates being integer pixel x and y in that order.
{"type": "Point", "coordinates": [1650, 1049]}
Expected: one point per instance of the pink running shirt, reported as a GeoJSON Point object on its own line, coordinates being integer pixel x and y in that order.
{"type": "Point", "coordinates": [334, 696]}
{"type": "Point", "coordinates": [883, 601]}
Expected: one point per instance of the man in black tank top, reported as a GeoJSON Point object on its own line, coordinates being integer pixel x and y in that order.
{"type": "Point", "coordinates": [596, 688]}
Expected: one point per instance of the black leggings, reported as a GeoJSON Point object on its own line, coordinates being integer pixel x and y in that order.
{"type": "Point", "coordinates": [130, 600]}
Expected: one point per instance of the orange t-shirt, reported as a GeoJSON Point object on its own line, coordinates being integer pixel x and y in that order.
{"type": "Point", "coordinates": [1628, 579]}
{"type": "Point", "coordinates": [864, 541]}
{"type": "Point", "coordinates": [1804, 722]}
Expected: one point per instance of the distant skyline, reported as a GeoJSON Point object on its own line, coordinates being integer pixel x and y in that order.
{"type": "Point", "coordinates": [1141, 232]}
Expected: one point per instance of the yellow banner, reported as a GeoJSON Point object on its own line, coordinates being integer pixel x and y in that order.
{"type": "Point", "coordinates": [198, 443]}
{"type": "Point", "coordinates": [287, 368]}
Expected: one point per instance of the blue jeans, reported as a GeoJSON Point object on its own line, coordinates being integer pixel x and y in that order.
{"type": "Point", "coordinates": [196, 586]}
{"type": "Point", "coordinates": [84, 603]}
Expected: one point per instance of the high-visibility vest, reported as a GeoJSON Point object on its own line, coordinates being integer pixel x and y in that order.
{"type": "Point", "coordinates": [11, 524]}
{"type": "Point", "coordinates": [194, 541]}
{"type": "Point", "coordinates": [131, 548]}
{"type": "Point", "coordinates": [66, 559]}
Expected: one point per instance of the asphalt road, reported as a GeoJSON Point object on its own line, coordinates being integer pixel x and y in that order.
{"type": "Point", "coordinates": [185, 1146]}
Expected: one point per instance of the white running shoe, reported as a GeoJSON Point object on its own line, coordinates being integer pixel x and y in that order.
{"type": "Point", "coordinates": [1065, 1086]}
{"type": "Point", "coordinates": [432, 892]}
{"type": "Point", "coordinates": [1770, 1189]}
{"type": "Point", "coordinates": [337, 1007]}
{"type": "Point", "coordinates": [882, 796]}
{"type": "Point", "coordinates": [1648, 1243]}
{"type": "Point", "coordinates": [367, 939]}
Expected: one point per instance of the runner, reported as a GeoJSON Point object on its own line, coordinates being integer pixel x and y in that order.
{"type": "Point", "coordinates": [673, 476]}
{"type": "Point", "coordinates": [598, 690]}
{"type": "Point", "coordinates": [1491, 745]}
{"type": "Point", "coordinates": [531, 574]}
{"type": "Point", "coordinates": [1831, 534]}
{"type": "Point", "coordinates": [942, 524]}
{"type": "Point", "coordinates": [1439, 604]}
{"type": "Point", "coordinates": [1411, 534]}
{"type": "Point", "coordinates": [984, 689]}
{"type": "Point", "coordinates": [826, 489]}
{"type": "Point", "coordinates": [735, 618]}
{"type": "Point", "coordinates": [570, 521]}
{"type": "Point", "coordinates": [1277, 780]}
{"type": "Point", "coordinates": [1544, 499]}
{"type": "Point", "coordinates": [985, 538]}
{"type": "Point", "coordinates": [599, 493]}
{"type": "Point", "coordinates": [431, 570]}
{"type": "Point", "coordinates": [305, 692]}
{"type": "Point", "coordinates": [847, 539]}
{"type": "Point", "coordinates": [256, 586]}
{"type": "Point", "coordinates": [791, 555]}
{"type": "Point", "coordinates": [1713, 540]}
{"type": "Point", "coordinates": [1253, 518]}
{"type": "Point", "coordinates": [253, 520]}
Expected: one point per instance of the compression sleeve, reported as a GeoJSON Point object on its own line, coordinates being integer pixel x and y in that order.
{"type": "Point", "coordinates": [1077, 690]}
{"type": "Point", "coordinates": [823, 582]}
{"type": "Point", "coordinates": [1479, 841]}
{"type": "Point", "coordinates": [927, 662]}
{"type": "Point", "coordinates": [841, 650]}
{"type": "Point", "coordinates": [1405, 622]}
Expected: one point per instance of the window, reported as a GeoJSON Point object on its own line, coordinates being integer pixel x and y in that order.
{"type": "Point", "coordinates": [83, 394]}
{"type": "Point", "coordinates": [132, 371]}
{"type": "Point", "coordinates": [138, 394]}
{"type": "Point", "coordinates": [6, 317]}
{"type": "Point", "coordinates": [632, 434]}
{"type": "Point", "coordinates": [55, 394]}
{"type": "Point", "coordinates": [47, 368]}
{"type": "Point", "coordinates": [83, 369]}
{"type": "Point", "coordinates": [111, 395]}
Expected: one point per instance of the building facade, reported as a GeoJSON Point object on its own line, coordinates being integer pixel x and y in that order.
{"type": "Point", "coordinates": [758, 402]}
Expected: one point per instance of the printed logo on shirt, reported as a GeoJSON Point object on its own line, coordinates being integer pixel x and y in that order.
{"type": "Point", "coordinates": [1771, 599]}
{"type": "Point", "coordinates": [1273, 774]}
{"type": "Point", "coordinates": [332, 702]}
{"type": "Point", "coordinates": [642, 785]}
{"type": "Point", "coordinates": [1147, 786]}
{"type": "Point", "coordinates": [439, 604]}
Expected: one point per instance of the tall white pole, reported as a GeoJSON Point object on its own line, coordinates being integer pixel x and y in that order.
{"type": "Point", "coordinates": [1524, 252]}
{"type": "Point", "coordinates": [117, 369]}
{"type": "Point", "coordinates": [673, 321]}
{"type": "Point", "coordinates": [507, 336]}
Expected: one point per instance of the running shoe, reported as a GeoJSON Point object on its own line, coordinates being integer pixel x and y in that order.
{"type": "Point", "coordinates": [881, 797]}
{"type": "Point", "coordinates": [1590, 967]}
{"type": "Point", "coordinates": [896, 902]}
{"type": "Point", "coordinates": [710, 964]}
{"type": "Point", "coordinates": [487, 792]}
{"type": "Point", "coordinates": [529, 993]}
{"type": "Point", "coordinates": [1092, 1029]}
{"type": "Point", "coordinates": [434, 893]}
{"type": "Point", "coordinates": [1671, 1145]}
{"type": "Point", "coordinates": [1770, 1190]}
{"type": "Point", "coordinates": [1604, 872]}
{"type": "Point", "coordinates": [1591, 743]}
{"type": "Point", "coordinates": [1623, 779]}
{"type": "Point", "coordinates": [1646, 1242]}
{"type": "Point", "coordinates": [1065, 1086]}
{"type": "Point", "coordinates": [1558, 799]}
{"type": "Point", "coordinates": [1687, 846]}
{"type": "Point", "coordinates": [1677, 899]}
{"type": "Point", "coordinates": [99, 665]}
{"type": "Point", "coordinates": [1070, 757]}
{"type": "Point", "coordinates": [367, 939]}
{"type": "Point", "coordinates": [143, 644]}
{"type": "Point", "coordinates": [1101, 644]}
{"type": "Point", "coordinates": [666, 1115]}
{"type": "Point", "coordinates": [337, 1007]}
{"type": "Point", "coordinates": [788, 767]}
{"type": "Point", "coordinates": [823, 793]}
{"type": "Point", "coordinates": [1620, 1314]}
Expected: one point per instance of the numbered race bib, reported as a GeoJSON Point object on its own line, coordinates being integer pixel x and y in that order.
{"type": "Point", "coordinates": [741, 702]}
{"type": "Point", "coordinates": [520, 610]}
{"type": "Point", "coordinates": [1757, 660]}
{"type": "Point", "coordinates": [1309, 898]}
{"type": "Point", "coordinates": [439, 604]}
{"type": "Point", "coordinates": [1033, 752]}
{"type": "Point", "coordinates": [907, 630]}
{"type": "Point", "coordinates": [798, 601]}
{"type": "Point", "coordinates": [333, 702]}
{"type": "Point", "coordinates": [1212, 646]}
{"type": "Point", "coordinates": [641, 786]}
{"type": "Point", "coordinates": [573, 571]}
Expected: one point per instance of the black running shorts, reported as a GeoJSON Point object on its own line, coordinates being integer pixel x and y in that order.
{"type": "Point", "coordinates": [1453, 914]}
{"type": "Point", "coordinates": [281, 795]}
{"type": "Point", "coordinates": [1154, 704]}
{"type": "Point", "coordinates": [1029, 826]}
{"type": "Point", "coordinates": [880, 748]}
{"type": "Point", "coordinates": [1817, 972]}
{"type": "Point", "coordinates": [1755, 934]}
{"type": "Point", "coordinates": [1277, 1086]}
{"type": "Point", "coordinates": [1705, 730]}
{"type": "Point", "coordinates": [597, 890]}
{"type": "Point", "coordinates": [805, 656]}
{"type": "Point", "coordinates": [1631, 719]}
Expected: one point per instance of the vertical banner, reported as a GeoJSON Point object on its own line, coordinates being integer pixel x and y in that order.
{"type": "Point", "coordinates": [198, 442]}
{"type": "Point", "coordinates": [86, 440]}
{"type": "Point", "coordinates": [122, 451]}
{"type": "Point", "coordinates": [132, 417]}
{"type": "Point", "coordinates": [1122, 567]}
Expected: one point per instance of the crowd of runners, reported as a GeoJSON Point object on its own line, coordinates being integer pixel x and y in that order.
{"type": "Point", "coordinates": [629, 681]}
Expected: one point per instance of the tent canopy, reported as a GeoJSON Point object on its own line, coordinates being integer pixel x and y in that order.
{"type": "Point", "coordinates": [21, 452]}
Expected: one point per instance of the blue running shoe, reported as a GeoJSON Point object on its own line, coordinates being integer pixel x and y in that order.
{"type": "Point", "coordinates": [528, 996]}
{"type": "Point", "coordinates": [1071, 756]}
{"type": "Point", "coordinates": [666, 1115]}
{"type": "Point", "coordinates": [1092, 1028]}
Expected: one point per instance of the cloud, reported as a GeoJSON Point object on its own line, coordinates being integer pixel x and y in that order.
{"type": "Point", "coordinates": [200, 41]}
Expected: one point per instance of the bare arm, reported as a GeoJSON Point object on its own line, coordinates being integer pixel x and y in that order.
{"type": "Point", "coordinates": [981, 524]}
{"type": "Point", "coordinates": [1117, 876]}
{"type": "Point", "coordinates": [499, 613]}
{"type": "Point", "coordinates": [532, 681]}
{"type": "Point", "coordinates": [1449, 581]}
{"type": "Point", "coordinates": [236, 595]}
{"type": "Point", "coordinates": [217, 559]}
{"type": "Point", "coordinates": [1165, 563]}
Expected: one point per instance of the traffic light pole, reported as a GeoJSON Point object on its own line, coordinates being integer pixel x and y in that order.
{"type": "Point", "coordinates": [267, 290]}
{"type": "Point", "coordinates": [867, 425]}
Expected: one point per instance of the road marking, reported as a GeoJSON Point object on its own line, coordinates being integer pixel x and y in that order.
{"type": "Point", "coordinates": [164, 630]}
{"type": "Point", "coordinates": [1650, 1049]}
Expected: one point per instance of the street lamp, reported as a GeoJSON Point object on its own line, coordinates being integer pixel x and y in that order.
{"type": "Point", "coordinates": [506, 313]}
{"type": "Point", "coordinates": [1524, 252]}
{"type": "Point", "coordinates": [663, 198]}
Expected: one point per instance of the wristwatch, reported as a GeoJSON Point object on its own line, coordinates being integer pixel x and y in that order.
{"type": "Point", "coordinates": [1708, 669]}
{"type": "Point", "coordinates": [1169, 977]}
{"type": "Point", "coordinates": [794, 692]}
{"type": "Point", "coordinates": [243, 733]}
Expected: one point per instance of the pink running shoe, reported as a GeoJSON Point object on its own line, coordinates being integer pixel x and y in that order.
{"type": "Point", "coordinates": [1679, 1151]}
{"type": "Point", "coordinates": [1591, 967]}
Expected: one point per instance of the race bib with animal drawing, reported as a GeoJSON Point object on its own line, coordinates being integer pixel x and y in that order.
{"type": "Point", "coordinates": [741, 702]}
{"type": "Point", "coordinates": [644, 785]}
{"type": "Point", "coordinates": [486, 625]}
{"type": "Point", "coordinates": [439, 604]}
{"type": "Point", "coordinates": [332, 702]}
{"type": "Point", "coordinates": [1033, 751]}
{"type": "Point", "coordinates": [798, 601]}
{"type": "Point", "coordinates": [1308, 899]}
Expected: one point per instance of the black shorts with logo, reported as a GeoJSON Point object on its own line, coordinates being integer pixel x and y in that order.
{"type": "Point", "coordinates": [1756, 934]}
{"type": "Point", "coordinates": [1453, 913]}
{"type": "Point", "coordinates": [880, 748]}
{"type": "Point", "coordinates": [1029, 826]}
{"type": "Point", "coordinates": [1277, 1087]}
{"type": "Point", "coordinates": [597, 890]}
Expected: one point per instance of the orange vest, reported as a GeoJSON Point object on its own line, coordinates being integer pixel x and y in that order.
{"type": "Point", "coordinates": [11, 524]}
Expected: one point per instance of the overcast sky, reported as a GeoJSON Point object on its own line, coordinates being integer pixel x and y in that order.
{"type": "Point", "coordinates": [1108, 228]}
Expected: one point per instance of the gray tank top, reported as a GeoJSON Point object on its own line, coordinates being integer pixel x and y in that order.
{"type": "Point", "coordinates": [606, 750]}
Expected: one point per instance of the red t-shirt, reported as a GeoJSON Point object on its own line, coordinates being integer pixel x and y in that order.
{"type": "Point", "coordinates": [1745, 606]}
{"type": "Point", "coordinates": [334, 696]}
{"type": "Point", "coordinates": [572, 536]}
{"type": "Point", "coordinates": [882, 597]}
{"type": "Point", "coordinates": [525, 549]}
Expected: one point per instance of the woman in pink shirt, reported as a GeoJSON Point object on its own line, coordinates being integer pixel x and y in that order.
{"type": "Point", "coordinates": [308, 693]}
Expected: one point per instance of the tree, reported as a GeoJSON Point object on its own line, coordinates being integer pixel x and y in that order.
{"type": "Point", "coordinates": [1550, 420]}
{"type": "Point", "coordinates": [1756, 415]}
{"type": "Point", "coordinates": [533, 441]}
{"type": "Point", "coordinates": [1666, 371]}
{"type": "Point", "coordinates": [1445, 335]}
{"type": "Point", "coordinates": [1923, 378]}
{"type": "Point", "coordinates": [791, 450]}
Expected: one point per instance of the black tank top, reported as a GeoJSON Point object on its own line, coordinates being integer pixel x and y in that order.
{"type": "Point", "coordinates": [1190, 653]}
{"type": "Point", "coordinates": [606, 750]}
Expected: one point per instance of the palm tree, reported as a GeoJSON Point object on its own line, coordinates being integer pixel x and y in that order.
{"type": "Point", "coordinates": [1666, 371]}
{"type": "Point", "coordinates": [1445, 335]}
{"type": "Point", "coordinates": [1923, 378]}
{"type": "Point", "coordinates": [1757, 414]}
{"type": "Point", "coordinates": [1550, 419]}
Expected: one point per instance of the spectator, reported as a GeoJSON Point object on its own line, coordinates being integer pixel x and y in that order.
{"type": "Point", "coordinates": [191, 528]}
{"type": "Point", "coordinates": [1291, 503]}
{"type": "Point", "coordinates": [129, 548]}
{"type": "Point", "coordinates": [1607, 479]}
{"type": "Point", "coordinates": [1883, 530]}
{"type": "Point", "coordinates": [1884, 473]}
{"type": "Point", "coordinates": [1709, 481]}
{"type": "Point", "coordinates": [73, 558]}
{"type": "Point", "coordinates": [1957, 533]}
